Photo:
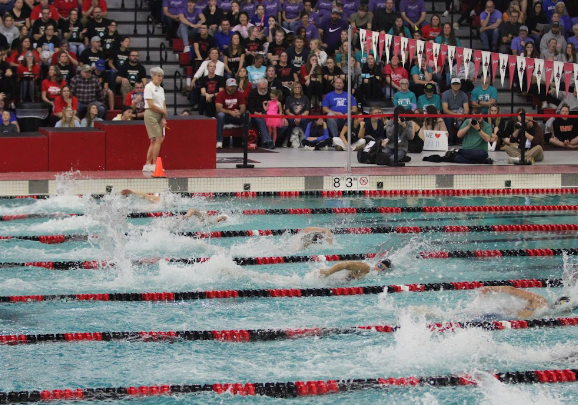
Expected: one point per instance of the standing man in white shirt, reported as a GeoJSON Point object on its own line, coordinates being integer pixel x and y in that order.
{"type": "Point", "coordinates": [155, 116]}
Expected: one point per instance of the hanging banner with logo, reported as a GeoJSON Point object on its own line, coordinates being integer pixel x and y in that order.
{"type": "Point", "coordinates": [374, 43]}
{"type": "Point", "coordinates": [420, 50]}
{"type": "Point", "coordinates": [467, 59]}
{"type": "Point", "coordinates": [451, 55]}
{"type": "Point", "coordinates": [362, 36]}
{"type": "Point", "coordinates": [459, 58]}
{"type": "Point", "coordinates": [495, 65]}
{"type": "Point", "coordinates": [443, 56]}
{"type": "Point", "coordinates": [396, 45]}
{"type": "Point", "coordinates": [412, 47]}
{"type": "Point", "coordinates": [485, 64]}
{"type": "Point", "coordinates": [387, 47]}
{"type": "Point", "coordinates": [403, 44]}
{"type": "Point", "coordinates": [548, 72]}
{"type": "Point", "coordinates": [381, 44]}
{"type": "Point", "coordinates": [568, 70]}
{"type": "Point", "coordinates": [477, 56]}
{"type": "Point", "coordinates": [558, 72]}
{"type": "Point", "coordinates": [530, 65]}
{"type": "Point", "coordinates": [435, 55]}
{"type": "Point", "coordinates": [368, 35]}
{"type": "Point", "coordinates": [539, 72]}
{"type": "Point", "coordinates": [429, 52]}
{"type": "Point", "coordinates": [512, 64]}
{"type": "Point", "coordinates": [521, 62]}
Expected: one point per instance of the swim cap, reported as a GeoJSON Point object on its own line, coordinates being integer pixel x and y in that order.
{"type": "Point", "coordinates": [385, 263]}
{"type": "Point", "coordinates": [562, 300]}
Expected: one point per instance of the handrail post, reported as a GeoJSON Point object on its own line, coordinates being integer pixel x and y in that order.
{"type": "Point", "coordinates": [150, 23]}
{"type": "Point", "coordinates": [395, 162]}
{"type": "Point", "coordinates": [246, 123]}
{"type": "Point", "coordinates": [522, 141]}
{"type": "Point", "coordinates": [177, 89]}
{"type": "Point", "coordinates": [134, 31]}
{"type": "Point", "coordinates": [162, 47]}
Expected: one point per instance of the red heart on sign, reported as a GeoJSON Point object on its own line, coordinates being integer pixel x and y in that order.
{"type": "Point", "coordinates": [438, 135]}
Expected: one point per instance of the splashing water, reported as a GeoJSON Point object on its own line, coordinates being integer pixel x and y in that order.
{"type": "Point", "coordinates": [496, 393]}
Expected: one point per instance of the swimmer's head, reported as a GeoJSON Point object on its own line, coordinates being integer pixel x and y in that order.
{"type": "Point", "coordinates": [221, 218]}
{"type": "Point", "coordinates": [383, 265]}
{"type": "Point", "coordinates": [312, 237]}
{"type": "Point", "coordinates": [565, 304]}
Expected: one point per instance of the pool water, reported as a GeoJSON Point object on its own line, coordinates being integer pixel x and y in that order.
{"type": "Point", "coordinates": [413, 350]}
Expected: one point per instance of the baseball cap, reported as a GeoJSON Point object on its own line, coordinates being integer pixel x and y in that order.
{"type": "Point", "coordinates": [100, 64]}
{"type": "Point", "coordinates": [456, 80]}
{"type": "Point", "coordinates": [231, 82]}
{"type": "Point", "coordinates": [95, 38]}
{"type": "Point", "coordinates": [86, 68]}
{"type": "Point", "coordinates": [429, 87]}
{"type": "Point", "coordinates": [524, 28]}
{"type": "Point", "coordinates": [336, 10]}
{"type": "Point", "coordinates": [555, 24]}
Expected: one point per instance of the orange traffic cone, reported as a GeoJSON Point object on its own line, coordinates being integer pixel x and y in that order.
{"type": "Point", "coordinates": [159, 171]}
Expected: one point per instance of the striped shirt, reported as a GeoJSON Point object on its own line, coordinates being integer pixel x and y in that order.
{"type": "Point", "coordinates": [86, 90]}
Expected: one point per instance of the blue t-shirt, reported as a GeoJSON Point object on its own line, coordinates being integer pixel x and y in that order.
{"type": "Point", "coordinates": [407, 100]}
{"type": "Point", "coordinates": [549, 7]}
{"type": "Point", "coordinates": [292, 10]}
{"type": "Point", "coordinates": [479, 94]}
{"type": "Point", "coordinates": [412, 9]}
{"type": "Point", "coordinates": [495, 16]}
{"type": "Point", "coordinates": [223, 40]}
{"type": "Point", "coordinates": [256, 74]}
{"type": "Point", "coordinates": [406, 32]}
{"type": "Point", "coordinates": [338, 102]}
{"type": "Point", "coordinates": [423, 102]}
{"type": "Point", "coordinates": [332, 31]}
{"type": "Point", "coordinates": [440, 39]}
{"type": "Point", "coordinates": [417, 71]}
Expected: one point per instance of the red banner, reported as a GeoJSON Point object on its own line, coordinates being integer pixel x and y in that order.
{"type": "Point", "coordinates": [548, 70]}
{"type": "Point", "coordinates": [512, 62]}
{"type": "Point", "coordinates": [495, 65]}
{"type": "Point", "coordinates": [459, 58]}
{"type": "Point", "coordinates": [443, 56]}
{"type": "Point", "coordinates": [429, 53]}
{"type": "Point", "coordinates": [568, 74]}
{"type": "Point", "coordinates": [477, 61]}
{"type": "Point", "coordinates": [368, 41]}
{"type": "Point", "coordinates": [396, 45]}
{"type": "Point", "coordinates": [411, 46]}
{"type": "Point", "coordinates": [530, 64]}
{"type": "Point", "coordinates": [381, 44]}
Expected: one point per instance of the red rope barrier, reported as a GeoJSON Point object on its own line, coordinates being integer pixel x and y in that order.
{"type": "Point", "coordinates": [460, 116]}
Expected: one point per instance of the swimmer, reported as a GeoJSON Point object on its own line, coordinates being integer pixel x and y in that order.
{"type": "Point", "coordinates": [201, 215]}
{"type": "Point", "coordinates": [356, 270]}
{"type": "Point", "coordinates": [536, 304]}
{"type": "Point", "coordinates": [312, 234]}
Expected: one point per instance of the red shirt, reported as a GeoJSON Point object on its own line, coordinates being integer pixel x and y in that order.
{"type": "Point", "coordinates": [16, 57]}
{"type": "Point", "coordinates": [64, 7]}
{"type": "Point", "coordinates": [86, 4]}
{"type": "Point", "coordinates": [24, 71]}
{"type": "Point", "coordinates": [59, 104]}
{"type": "Point", "coordinates": [230, 102]}
{"type": "Point", "coordinates": [130, 97]}
{"type": "Point", "coordinates": [429, 33]}
{"type": "Point", "coordinates": [52, 88]}
{"type": "Point", "coordinates": [36, 13]}
{"type": "Point", "coordinates": [396, 74]}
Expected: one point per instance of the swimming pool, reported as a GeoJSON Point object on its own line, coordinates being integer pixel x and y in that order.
{"type": "Point", "coordinates": [412, 350]}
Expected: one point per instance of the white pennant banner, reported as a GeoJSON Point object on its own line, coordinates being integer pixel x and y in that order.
{"type": "Point", "coordinates": [451, 55]}
{"type": "Point", "coordinates": [521, 64]}
{"type": "Point", "coordinates": [436, 54]}
{"type": "Point", "coordinates": [403, 48]}
{"type": "Point", "coordinates": [362, 35]}
{"type": "Point", "coordinates": [503, 67]}
{"type": "Point", "coordinates": [486, 60]}
{"type": "Point", "coordinates": [467, 60]}
{"type": "Point", "coordinates": [419, 49]}
{"type": "Point", "coordinates": [388, 39]}
{"type": "Point", "coordinates": [575, 76]}
{"type": "Point", "coordinates": [374, 43]}
{"type": "Point", "coordinates": [539, 71]}
{"type": "Point", "coordinates": [558, 73]}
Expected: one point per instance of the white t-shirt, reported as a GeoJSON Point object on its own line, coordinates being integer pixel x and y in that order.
{"type": "Point", "coordinates": [156, 93]}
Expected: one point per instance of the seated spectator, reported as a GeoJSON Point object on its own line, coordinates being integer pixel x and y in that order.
{"type": "Point", "coordinates": [508, 31]}
{"type": "Point", "coordinates": [273, 82]}
{"type": "Point", "coordinates": [243, 83]}
{"type": "Point", "coordinates": [448, 36]}
{"type": "Point", "coordinates": [91, 55]}
{"type": "Point", "coordinates": [64, 7]}
{"type": "Point", "coordinates": [202, 43]}
{"type": "Point", "coordinates": [9, 30]}
{"type": "Point", "coordinates": [91, 116]}
{"type": "Point", "coordinates": [256, 71]}
{"type": "Point", "coordinates": [36, 12]}
{"type": "Point", "coordinates": [297, 105]}
{"type": "Point", "coordinates": [248, 6]}
{"type": "Point", "coordinates": [330, 30]}
{"type": "Point", "coordinates": [315, 49]}
{"type": "Point", "coordinates": [28, 76]}
{"type": "Point", "coordinates": [40, 24]}
{"type": "Point", "coordinates": [23, 33]}
{"type": "Point", "coordinates": [116, 60]}
{"type": "Point", "coordinates": [404, 97]}
{"type": "Point", "coordinates": [13, 119]}
{"type": "Point", "coordinates": [191, 19]}
{"type": "Point", "coordinates": [96, 26]}
{"type": "Point", "coordinates": [234, 56]}
{"type": "Point", "coordinates": [130, 73]}
{"type": "Point", "coordinates": [490, 21]}
{"type": "Point", "coordinates": [519, 43]}
{"type": "Point", "coordinates": [341, 55]}
{"type": "Point", "coordinates": [356, 75]}
{"type": "Point", "coordinates": [73, 30]}
{"type": "Point", "coordinates": [384, 15]}
{"type": "Point", "coordinates": [533, 142]}
{"type": "Point", "coordinates": [429, 98]}
{"type": "Point", "coordinates": [63, 47]}
{"type": "Point", "coordinates": [431, 31]}
{"type": "Point", "coordinates": [286, 73]}
{"type": "Point", "coordinates": [171, 11]}
{"type": "Point", "coordinates": [336, 103]}
{"type": "Point", "coordinates": [399, 29]}
{"type": "Point", "coordinates": [214, 15]}
{"type": "Point", "coordinates": [230, 106]}
{"type": "Point", "coordinates": [316, 136]}
{"type": "Point", "coordinates": [64, 65]}
{"type": "Point", "coordinates": [135, 100]}
{"type": "Point", "coordinates": [258, 18]}
{"type": "Point", "coordinates": [374, 126]}
{"type": "Point", "coordinates": [243, 26]}
{"type": "Point", "coordinates": [272, 8]}
{"type": "Point", "coordinates": [7, 127]}
{"type": "Point", "coordinates": [48, 44]}
{"type": "Point", "coordinates": [406, 133]}
{"type": "Point", "coordinates": [51, 85]}
{"type": "Point", "coordinates": [569, 56]}
{"type": "Point", "coordinates": [498, 127]}
{"type": "Point", "coordinates": [63, 100]}
{"type": "Point", "coordinates": [476, 134]}
{"type": "Point", "coordinates": [298, 53]}
{"type": "Point", "coordinates": [357, 136]}
{"type": "Point", "coordinates": [232, 16]}
{"type": "Point", "coordinates": [125, 115]}
{"type": "Point", "coordinates": [552, 52]}
{"type": "Point", "coordinates": [574, 39]}
{"type": "Point", "coordinates": [565, 131]}
{"type": "Point", "coordinates": [8, 82]}
{"type": "Point", "coordinates": [290, 16]}
{"type": "Point", "coordinates": [253, 45]}
{"type": "Point", "coordinates": [565, 20]}
{"type": "Point", "coordinates": [256, 105]}
{"type": "Point", "coordinates": [276, 47]}
{"type": "Point", "coordinates": [536, 21]}
{"type": "Point", "coordinates": [111, 39]}
{"type": "Point", "coordinates": [89, 6]}
{"type": "Point", "coordinates": [413, 13]}
{"type": "Point", "coordinates": [314, 17]}
{"type": "Point", "coordinates": [554, 33]}
{"type": "Point", "coordinates": [223, 37]}
{"type": "Point", "coordinates": [394, 73]}
{"type": "Point", "coordinates": [87, 89]}
{"type": "Point", "coordinates": [17, 55]}
{"type": "Point", "coordinates": [331, 71]}
{"type": "Point", "coordinates": [311, 78]}
{"type": "Point", "coordinates": [21, 14]}
{"type": "Point", "coordinates": [484, 95]}
{"type": "Point", "coordinates": [454, 102]}
{"type": "Point", "coordinates": [102, 75]}
{"type": "Point", "coordinates": [362, 18]}
{"type": "Point", "coordinates": [431, 123]}
{"type": "Point", "coordinates": [370, 88]}
{"type": "Point", "coordinates": [420, 76]}
{"type": "Point", "coordinates": [210, 85]}
{"type": "Point", "coordinates": [324, 9]}
{"type": "Point", "coordinates": [467, 82]}
{"type": "Point", "coordinates": [311, 31]}
{"type": "Point", "coordinates": [514, 7]}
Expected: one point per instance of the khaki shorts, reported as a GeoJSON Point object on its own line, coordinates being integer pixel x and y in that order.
{"type": "Point", "coordinates": [152, 122]}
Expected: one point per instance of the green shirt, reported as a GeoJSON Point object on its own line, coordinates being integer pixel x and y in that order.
{"type": "Point", "coordinates": [479, 94]}
{"type": "Point", "coordinates": [472, 139]}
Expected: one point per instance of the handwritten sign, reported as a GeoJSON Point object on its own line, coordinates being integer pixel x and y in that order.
{"type": "Point", "coordinates": [436, 140]}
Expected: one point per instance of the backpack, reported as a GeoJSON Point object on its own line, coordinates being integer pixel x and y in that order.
{"type": "Point", "coordinates": [369, 153]}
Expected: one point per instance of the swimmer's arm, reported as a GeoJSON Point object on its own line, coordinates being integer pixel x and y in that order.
{"type": "Point", "coordinates": [193, 211]}
{"type": "Point", "coordinates": [535, 300]}
{"type": "Point", "coordinates": [357, 269]}
{"type": "Point", "coordinates": [144, 196]}
{"type": "Point", "coordinates": [327, 232]}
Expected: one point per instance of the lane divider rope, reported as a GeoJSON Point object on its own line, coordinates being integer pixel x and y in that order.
{"type": "Point", "coordinates": [315, 211]}
{"type": "Point", "coordinates": [497, 253]}
{"type": "Point", "coordinates": [283, 292]}
{"type": "Point", "coordinates": [256, 335]}
{"type": "Point", "coordinates": [54, 239]}
{"type": "Point", "coordinates": [286, 389]}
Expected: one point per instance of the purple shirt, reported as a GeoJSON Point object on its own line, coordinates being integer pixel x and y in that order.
{"type": "Point", "coordinates": [311, 31]}
{"type": "Point", "coordinates": [175, 7]}
{"type": "Point", "coordinates": [314, 17]}
{"type": "Point", "coordinates": [201, 4]}
{"type": "Point", "coordinates": [324, 8]}
{"type": "Point", "coordinates": [292, 10]}
{"type": "Point", "coordinates": [412, 9]}
{"type": "Point", "coordinates": [495, 16]}
{"type": "Point", "coordinates": [193, 17]}
{"type": "Point", "coordinates": [350, 7]}
{"type": "Point", "coordinates": [517, 44]}
{"type": "Point", "coordinates": [573, 40]}
{"type": "Point", "coordinates": [224, 5]}
{"type": "Point", "coordinates": [272, 7]}
{"type": "Point", "coordinates": [332, 31]}
{"type": "Point", "coordinates": [248, 8]}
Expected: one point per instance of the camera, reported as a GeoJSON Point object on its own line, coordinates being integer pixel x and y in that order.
{"type": "Point", "coordinates": [518, 125]}
{"type": "Point", "coordinates": [474, 121]}
{"type": "Point", "coordinates": [401, 119]}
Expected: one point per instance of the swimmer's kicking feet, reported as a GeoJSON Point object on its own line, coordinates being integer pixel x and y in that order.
{"type": "Point", "coordinates": [201, 215]}
{"type": "Point", "coordinates": [356, 270]}
{"type": "Point", "coordinates": [536, 304]}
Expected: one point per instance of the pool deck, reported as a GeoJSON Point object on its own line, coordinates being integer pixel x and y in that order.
{"type": "Point", "coordinates": [288, 169]}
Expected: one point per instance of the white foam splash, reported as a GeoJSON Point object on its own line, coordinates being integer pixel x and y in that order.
{"type": "Point", "coordinates": [496, 393]}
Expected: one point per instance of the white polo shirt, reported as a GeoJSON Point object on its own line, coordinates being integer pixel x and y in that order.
{"type": "Point", "coordinates": [156, 93]}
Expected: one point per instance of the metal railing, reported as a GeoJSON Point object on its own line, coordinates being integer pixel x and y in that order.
{"type": "Point", "coordinates": [162, 47]}
{"type": "Point", "coordinates": [137, 7]}
{"type": "Point", "coordinates": [150, 32]}
{"type": "Point", "coordinates": [177, 87]}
